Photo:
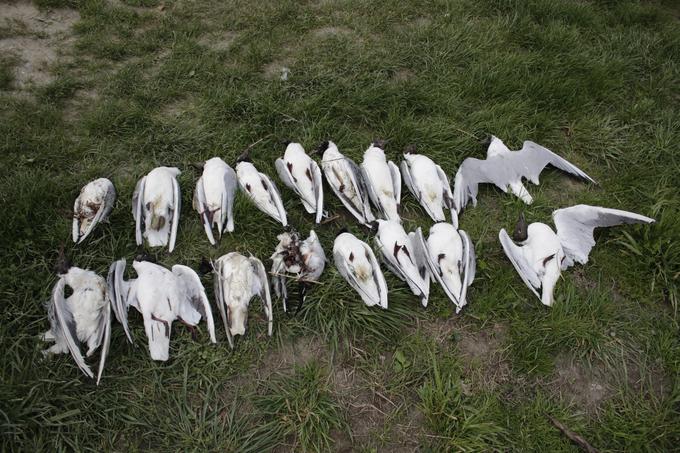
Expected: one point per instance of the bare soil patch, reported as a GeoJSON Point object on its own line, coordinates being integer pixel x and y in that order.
{"type": "Point", "coordinates": [219, 41]}
{"type": "Point", "coordinates": [44, 38]}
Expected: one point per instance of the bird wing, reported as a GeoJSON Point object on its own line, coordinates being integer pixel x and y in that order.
{"type": "Point", "coordinates": [201, 206]}
{"type": "Point", "coordinates": [137, 209]}
{"type": "Point", "coordinates": [194, 290]}
{"type": "Point", "coordinates": [408, 179]}
{"type": "Point", "coordinates": [360, 185]}
{"type": "Point", "coordinates": [258, 267]}
{"type": "Point", "coordinates": [318, 189]}
{"type": "Point", "coordinates": [275, 198]}
{"type": "Point", "coordinates": [348, 275]}
{"type": "Point", "coordinates": [68, 326]}
{"type": "Point", "coordinates": [378, 276]}
{"type": "Point", "coordinates": [388, 259]}
{"type": "Point", "coordinates": [373, 195]}
{"type": "Point", "coordinates": [105, 328]}
{"type": "Point", "coordinates": [396, 180]}
{"type": "Point", "coordinates": [469, 265]}
{"type": "Point", "coordinates": [117, 292]}
{"type": "Point", "coordinates": [447, 195]}
{"type": "Point", "coordinates": [435, 270]}
{"type": "Point", "coordinates": [530, 161]}
{"type": "Point", "coordinates": [285, 175]}
{"type": "Point", "coordinates": [473, 172]}
{"type": "Point", "coordinates": [219, 287]}
{"type": "Point", "coordinates": [523, 268]}
{"type": "Point", "coordinates": [177, 208]}
{"type": "Point", "coordinates": [231, 186]}
{"type": "Point", "coordinates": [575, 227]}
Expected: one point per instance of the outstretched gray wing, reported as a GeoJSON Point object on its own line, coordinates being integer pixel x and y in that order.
{"type": "Point", "coordinates": [575, 227]}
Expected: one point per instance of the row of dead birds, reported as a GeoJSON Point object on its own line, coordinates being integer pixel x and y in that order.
{"type": "Point", "coordinates": [447, 256]}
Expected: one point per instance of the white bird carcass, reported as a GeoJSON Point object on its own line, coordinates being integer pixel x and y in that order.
{"type": "Point", "coordinates": [429, 185]}
{"type": "Point", "coordinates": [383, 181]}
{"type": "Point", "coordinates": [156, 205]}
{"type": "Point", "coordinates": [161, 296]}
{"type": "Point", "coordinates": [402, 258]}
{"type": "Point", "coordinates": [542, 254]}
{"type": "Point", "coordinates": [357, 264]}
{"type": "Point", "coordinates": [260, 190]}
{"type": "Point", "coordinates": [301, 174]}
{"type": "Point", "coordinates": [347, 182]}
{"type": "Point", "coordinates": [451, 259]}
{"type": "Point", "coordinates": [82, 317]}
{"type": "Point", "coordinates": [93, 205]}
{"type": "Point", "coordinates": [214, 197]}
{"type": "Point", "coordinates": [237, 280]}
{"type": "Point", "coordinates": [505, 169]}
{"type": "Point", "coordinates": [302, 260]}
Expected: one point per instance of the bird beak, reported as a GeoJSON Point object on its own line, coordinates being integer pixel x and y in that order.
{"type": "Point", "coordinates": [520, 234]}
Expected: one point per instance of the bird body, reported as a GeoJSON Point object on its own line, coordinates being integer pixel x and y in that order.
{"type": "Point", "coordinates": [542, 253]}
{"type": "Point", "coordinates": [237, 280]}
{"type": "Point", "coordinates": [214, 197]}
{"type": "Point", "coordinates": [92, 206]}
{"type": "Point", "coordinates": [451, 258]}
{"type": "Point", "coordinates": [83, 317]}
{"type": "Point", "coordinates": [162, 296]}
{"type": "Point", "coordinates": [401, 257]}
{"type": "Point", "coordinates": [356, 262]}
{"type": "Point", "coordinates": [303, 260]}
{"type": "Point", "coordinates": [347, 182]}
{"type": "Point", "coordinates": [156, 205]}
{"type": "Point", "coordinates": [429, 184]}
{"type": "Point", "coordinates": [506, 169]}
{"type": "Point", "coordinates": [383, 181]}
{"type": "Point", "coordinates": [300, 173]}
{"type": "Point", "coordinates": [261, 191]}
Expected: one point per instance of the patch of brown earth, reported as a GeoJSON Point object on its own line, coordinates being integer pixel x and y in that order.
{"type": "Point", "coordinates": [583, 386]}
{"type": "Point", "coordinates": [484, 355]}
{"type": "Point", "coordinates": [278, 69]}
{"type": "Point", "coordinates": [45, 35]}
{"type": "Point", "coordinates": [219, 41]}
{"type": "Point", "coordinates": [402, 75]}
{"type": "Point", "coordinates": [324, 32]}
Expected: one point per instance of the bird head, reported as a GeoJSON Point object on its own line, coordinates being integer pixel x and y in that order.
{"type": "Point", "coordinates": [410, 149]}
{"type": "Point", "coordinates": [323, 146]}
{"type": "Point", "coordinates": [520, 232]}
{"type": "Point", "coordinates": [380, 143]}
{"type": "Point", "coordinates": [205, 267]}
{"type": "Point", "coordinates": [63, 264]}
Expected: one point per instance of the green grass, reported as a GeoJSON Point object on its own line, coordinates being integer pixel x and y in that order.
{"type": "Point", "coordinates": [140, 86]}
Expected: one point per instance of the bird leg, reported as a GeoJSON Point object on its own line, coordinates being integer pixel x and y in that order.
{"type": "Point", "coordinates": [192, 329]}
{"type": "Point", "coordinates": [302, 289]}
{"type": "Point", "coordinates": [165, 323]}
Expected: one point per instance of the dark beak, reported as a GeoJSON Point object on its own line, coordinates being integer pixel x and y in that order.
{"type": "Point", "coordinates": [520, 234]}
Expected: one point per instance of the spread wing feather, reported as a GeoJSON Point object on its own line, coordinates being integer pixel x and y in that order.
{"type": "Point", "coordinates": [523, 268]}
{"type": "Point", "coordinates": [68, 326]}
